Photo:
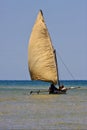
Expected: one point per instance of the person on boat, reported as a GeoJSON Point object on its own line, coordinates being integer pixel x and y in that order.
{"type": "Point", "coordinates": [52, 89]}
{"type": "Point", "coordinates": [62, 88]}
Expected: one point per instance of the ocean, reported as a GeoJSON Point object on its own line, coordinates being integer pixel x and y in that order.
{"type": "Point", "coordinates": [20, 110]}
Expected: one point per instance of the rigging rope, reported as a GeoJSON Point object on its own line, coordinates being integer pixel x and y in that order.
{"type": "Point", "coordinates": [66, 67]}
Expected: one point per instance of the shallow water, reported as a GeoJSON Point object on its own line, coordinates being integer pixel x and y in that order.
{"type": "Point", "coordinates": [20, 110]}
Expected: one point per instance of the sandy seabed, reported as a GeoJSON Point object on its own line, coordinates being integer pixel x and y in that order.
{"type": "Point", "coordinates": [43, 111]}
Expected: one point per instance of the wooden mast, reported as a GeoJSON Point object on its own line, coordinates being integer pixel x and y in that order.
{"type": "Point", "coordinates": [58, 82]}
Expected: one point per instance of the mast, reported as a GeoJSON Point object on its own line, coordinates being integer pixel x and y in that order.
{"type": "Point", "coordinates": [58, 82]}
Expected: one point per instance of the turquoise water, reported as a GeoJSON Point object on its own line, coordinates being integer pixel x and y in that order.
{"type": "Point", "coordinates": [20, 110]}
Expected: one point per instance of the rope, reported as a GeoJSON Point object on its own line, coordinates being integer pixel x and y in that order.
{"type": "Point", "coordinates": [66, 67]}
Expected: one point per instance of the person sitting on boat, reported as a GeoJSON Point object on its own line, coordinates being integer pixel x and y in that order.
{"type": "Point", "coordinates": [62, 88]}
{"type": "Point", "coordinates": [52, 89]}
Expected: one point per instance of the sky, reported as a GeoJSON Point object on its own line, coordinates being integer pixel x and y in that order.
{"type": "Point", "coordinates": [66, 21]}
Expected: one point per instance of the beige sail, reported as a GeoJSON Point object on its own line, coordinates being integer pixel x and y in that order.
{"type": "Point", "coordinates": [41, 58]}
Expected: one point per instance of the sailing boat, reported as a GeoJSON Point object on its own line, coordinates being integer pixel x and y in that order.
{"type": "Point", "coordinates": [42, 61]}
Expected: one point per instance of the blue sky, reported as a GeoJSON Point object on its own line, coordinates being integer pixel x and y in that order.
{"type": "Point", "coordinates": [67, 24]}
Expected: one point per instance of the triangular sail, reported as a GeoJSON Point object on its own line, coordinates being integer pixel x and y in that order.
{"type": "Point", "coordinates": [41, 58]}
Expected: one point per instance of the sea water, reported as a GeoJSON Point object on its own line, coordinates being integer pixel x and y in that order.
{"type": "Point", "coordinates": [20, 110]}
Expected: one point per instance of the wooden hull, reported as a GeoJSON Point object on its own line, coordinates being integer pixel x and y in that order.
{"type": "Point", "coordinates": [59, 92]}
{"type": "Point", "coordinates": [42, 91]}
